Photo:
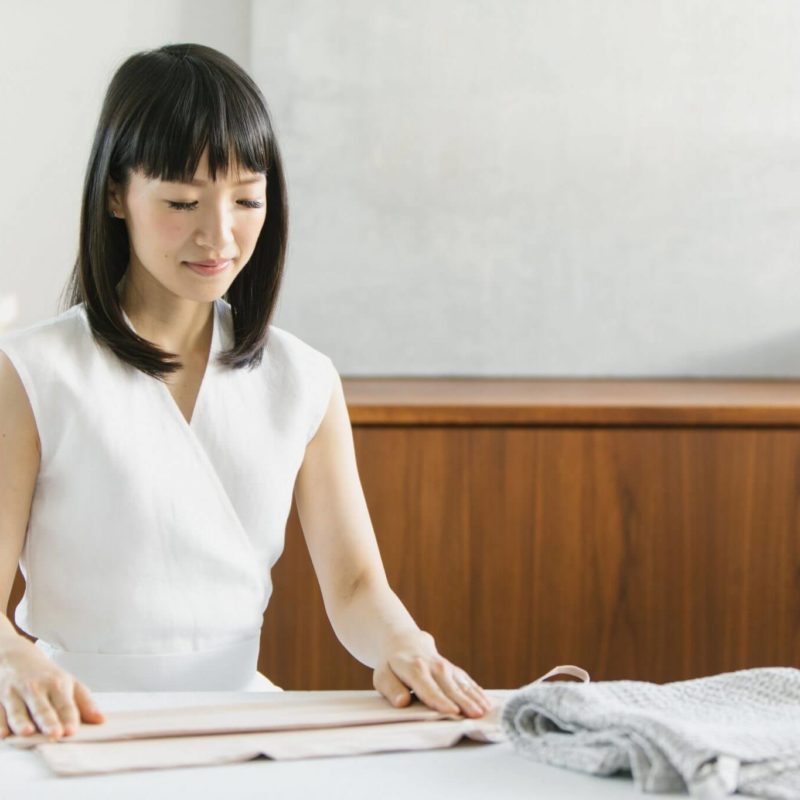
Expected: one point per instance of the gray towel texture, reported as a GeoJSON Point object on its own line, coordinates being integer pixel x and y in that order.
{"type": "Point", "coordinates": [710, 736]}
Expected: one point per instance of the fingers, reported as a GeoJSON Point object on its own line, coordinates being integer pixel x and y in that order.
{"type": "Point", "coordinates": [390, 686]}
{"type": "Point", "coordinates": [87, 707]}
{"type": "Point", "coordinates": [55, 705]}
{"type": "Point", "coordinates": [437, 682]}
{"type": "Point", "coordinates": [429, 690]}
{"type": "Point", "coordinates": [460, 687]}
{"type": "Point", "coordinates": [419, 678]}
{"type": "Point", "coordinates": [35, 693]}
{"type": "Point", "coordinates": [467, 684]}
{"type": "Point", "coordinates": [480, 701]}
{"type": "Point", "coordinates": [17, 718]}
{"type": "Point", "coordinates": [61, 698]}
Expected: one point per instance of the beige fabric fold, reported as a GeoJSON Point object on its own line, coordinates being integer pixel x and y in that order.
{"type": "Point", "coordinates": [295, 713]}
{"type": "Point", "coordinates": [279, 726]}
{"type": "Point", "coordinates": [194, 751]}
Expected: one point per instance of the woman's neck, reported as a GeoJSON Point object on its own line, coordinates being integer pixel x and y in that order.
{"type": "Point", "coordinates": [172, 323]}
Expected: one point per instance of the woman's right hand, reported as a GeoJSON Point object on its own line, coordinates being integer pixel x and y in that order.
{"type": "Point", "coordinates": [36, 695]}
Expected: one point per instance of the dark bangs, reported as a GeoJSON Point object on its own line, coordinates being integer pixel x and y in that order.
{"type": "Point", "coordinates": [162, 109]}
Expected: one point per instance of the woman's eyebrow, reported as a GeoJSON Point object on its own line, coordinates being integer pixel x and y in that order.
{"type": "Point", "coordinates": [197, 182]}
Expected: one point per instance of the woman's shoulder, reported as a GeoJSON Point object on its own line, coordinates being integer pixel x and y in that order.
{"type": "Point", "coordinates": [303, 368]}
{"type": "Point", "coordinates": [280, 339]}
{"type": "Point", "coordinates": [61, 329]}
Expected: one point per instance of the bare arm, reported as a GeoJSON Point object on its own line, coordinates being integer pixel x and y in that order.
{"type": "Point", "coordinates": [33, 691]}
{"type": "Point", "coordinates": [19, 467]}
{"type": "Point", "coordinates": [341, 541]}
{"type": "Point", "coordinates": [367, 616]}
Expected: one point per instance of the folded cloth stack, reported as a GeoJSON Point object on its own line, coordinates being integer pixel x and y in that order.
{"type": "Point", "coordinates": [710, 736]}
{"type": "Point", "coordinates": [281, 725]}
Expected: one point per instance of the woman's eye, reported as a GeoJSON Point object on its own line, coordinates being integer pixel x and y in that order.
{"type": "Point", "coordinates": [191, 206]}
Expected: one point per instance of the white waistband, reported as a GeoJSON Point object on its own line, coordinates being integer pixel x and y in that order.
{"type": "Point", "coordinates": [232, 667]}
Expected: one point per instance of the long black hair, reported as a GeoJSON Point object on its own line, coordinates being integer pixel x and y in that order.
{"type": "Point", "coordinates": [163, 107]}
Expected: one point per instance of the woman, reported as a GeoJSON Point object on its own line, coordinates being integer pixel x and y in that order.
{"type": "Point", "coordinates": [159, 426]}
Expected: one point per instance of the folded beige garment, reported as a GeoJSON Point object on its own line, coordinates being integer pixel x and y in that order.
{"type": "Point", "coordinates": [278, 727]}
{"type": "Point", "coordinates": [275, 712]}
{"type": "Point", "coordinates": [192, 751]}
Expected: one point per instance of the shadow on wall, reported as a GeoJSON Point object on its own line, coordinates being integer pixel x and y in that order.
{"type": "Point", "coordinates": [778, 357]}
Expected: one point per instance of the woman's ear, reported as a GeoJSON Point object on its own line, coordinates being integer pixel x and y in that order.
{"type": "Point", "coordinates": [115, 208]}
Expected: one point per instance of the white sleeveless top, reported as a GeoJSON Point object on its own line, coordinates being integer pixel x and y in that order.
{"type": "Point", "coordinates": [150, 542]}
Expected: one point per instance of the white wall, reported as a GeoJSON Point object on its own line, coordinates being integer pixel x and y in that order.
{"type": "Point", "coordinates": [516, 188]}
{"type": "Point", "coordinates": [541, 187]}
{"type": "Point", "coordinates": [56, 60]}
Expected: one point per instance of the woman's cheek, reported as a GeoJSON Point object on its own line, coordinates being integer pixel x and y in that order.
{"type": "Point", "coordinates": [172, 231]}
{"type": "Point", "coordinates": [254, 230]}
{"type": "Point", "coordinates": [248, 244]}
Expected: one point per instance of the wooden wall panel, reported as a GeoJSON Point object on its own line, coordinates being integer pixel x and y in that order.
{"type": "Point", "coordinates": [648, 554]}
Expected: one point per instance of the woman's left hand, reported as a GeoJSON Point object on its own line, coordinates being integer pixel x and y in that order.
{"type": "Point", "coordinates": [411, 662]}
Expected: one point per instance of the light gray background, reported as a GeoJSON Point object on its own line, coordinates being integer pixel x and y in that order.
{"type": "Point", "coordinates": [477, 187]}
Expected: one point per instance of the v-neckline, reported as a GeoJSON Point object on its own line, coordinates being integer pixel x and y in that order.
{"type": "Point", "coordinates": [162, 386]}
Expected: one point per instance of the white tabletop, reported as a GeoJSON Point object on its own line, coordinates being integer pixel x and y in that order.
{"type": "Point", "coordinates": [467, 770]}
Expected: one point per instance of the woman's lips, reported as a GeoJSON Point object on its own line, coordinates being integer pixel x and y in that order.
{"type": "Point", "coordinates": [207, 267]}
{"type": "Point", "coordinates": [212, 263]}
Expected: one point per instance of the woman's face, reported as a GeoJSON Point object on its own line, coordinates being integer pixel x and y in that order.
{"type": "Point", "coordinates": [170, 224]}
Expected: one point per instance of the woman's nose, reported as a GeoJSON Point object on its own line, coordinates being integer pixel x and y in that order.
{"type": "Point", "coordinates": [215, 232]}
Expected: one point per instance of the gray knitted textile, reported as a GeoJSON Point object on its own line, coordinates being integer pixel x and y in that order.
{"type": "Point", "coordinates": [709, 736]}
